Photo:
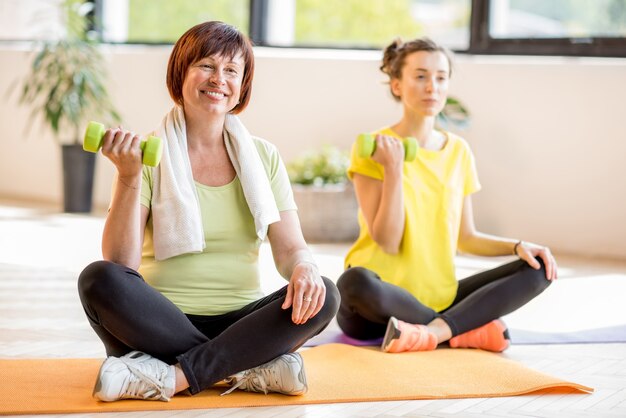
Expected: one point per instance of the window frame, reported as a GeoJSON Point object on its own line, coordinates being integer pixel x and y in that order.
{"type": "Point", "coordinates": [258, 22]}
{"type": "Point", "coordinates": [481, 43]}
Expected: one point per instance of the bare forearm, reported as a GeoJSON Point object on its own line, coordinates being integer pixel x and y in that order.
{"type": "Point", "coordinates": [487, 245]}
{"type": "Point", "coordinates": [388, 225]}
{"type": "Point", "coordinates": [287, 261]}
{"type": "Point", "coordinates": [121, 241]}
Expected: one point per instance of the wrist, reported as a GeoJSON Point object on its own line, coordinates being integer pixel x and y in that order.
{"type": "Point", "coordinates": [312, 264]}
{"type": "Point", "coordinates": [516, 246]}
{"type": "Point", "coordinates": [393, 172]}
{"type": "Point", "coordinates": [306, 267]}
{"type": "Point", "coordinates": [130, 182]}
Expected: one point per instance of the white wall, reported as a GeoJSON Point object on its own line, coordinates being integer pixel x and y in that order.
{"type": "Point", "coordinates": [548, 133]}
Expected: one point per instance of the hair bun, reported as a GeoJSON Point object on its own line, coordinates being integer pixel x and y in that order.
{"type": "Point", "coordinates": [389, 54]}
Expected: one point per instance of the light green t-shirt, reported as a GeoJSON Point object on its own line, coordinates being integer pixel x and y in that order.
{"type": "Point", "coordinates": [225, 276]}
{"type": "Point", "coordinates": [434, 185]}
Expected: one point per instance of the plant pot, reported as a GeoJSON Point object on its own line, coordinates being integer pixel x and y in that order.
{"type": "Point", "coordinates": [78, 174]}
{"type": "Point", "coordinates": [327, 213]}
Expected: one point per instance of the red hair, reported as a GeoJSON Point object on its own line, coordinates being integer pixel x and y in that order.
{"type": "Point", "coordinates": [205, 40]}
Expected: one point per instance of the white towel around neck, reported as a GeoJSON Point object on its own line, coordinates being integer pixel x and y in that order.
{"type": "Point", "coordinates": [176, 218]}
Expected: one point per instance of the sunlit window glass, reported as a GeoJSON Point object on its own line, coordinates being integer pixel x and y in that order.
{"type": "Point", "coordinates": [166, 20]}
{"type": "Point", "coordinates": [557, 18]}
{"type": "Point", "coordinates": [30, 19]}
{"type": "Point", "coordinates": [367, 23]}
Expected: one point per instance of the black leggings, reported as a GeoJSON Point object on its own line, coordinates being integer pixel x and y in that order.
{"type": "Point", "coordinates": [128, 314]}
{"type": "Point", "coordinates": [367, 302]}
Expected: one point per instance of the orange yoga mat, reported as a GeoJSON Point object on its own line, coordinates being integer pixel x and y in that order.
{"type": "Point", "coordinates": [336, 373]}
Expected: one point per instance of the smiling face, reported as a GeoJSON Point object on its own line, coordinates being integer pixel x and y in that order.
{"type": "Point", "coordinates": [206, 58]}
{"type": "Point", "coordinates": [213, 84]}
{"type": "Point", "coordinates": [423, 84]}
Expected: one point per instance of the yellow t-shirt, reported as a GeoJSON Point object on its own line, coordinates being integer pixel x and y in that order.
{"type": "Point", "coordinates": [225, 276]}
{"type": "Point", "coordinates": [434, 185]}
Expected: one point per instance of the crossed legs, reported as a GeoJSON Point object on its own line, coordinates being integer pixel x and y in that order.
{"type": "Point", "coordinates": [367, 302]}
{"type": "Point", "coordinates": [128, 314]}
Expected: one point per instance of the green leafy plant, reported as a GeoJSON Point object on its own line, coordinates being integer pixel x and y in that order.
{"type": "Point", "coordinates": [65, 84]}
{"type": "Point", "coordinates": [453, 115]}
{"type": "Point", "coordinates": [326, 166]}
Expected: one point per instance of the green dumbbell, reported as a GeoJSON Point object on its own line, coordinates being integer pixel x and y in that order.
{"type": "Point", "coordinates": [152, 147]}
{"type": "Point", "coordinates": [366, 145]}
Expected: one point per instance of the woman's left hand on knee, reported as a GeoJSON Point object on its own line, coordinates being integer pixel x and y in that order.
{"type": "Point", "coordinates": [306, 293]}
{"type": "Point", "coordinates": [528, 252]}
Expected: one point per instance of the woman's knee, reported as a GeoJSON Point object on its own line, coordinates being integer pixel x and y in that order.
{"type": "Point", "coordinates": [331, 303]}
{"type": "Point", "coordinates": [536, 279]}
{"type": "Point", "coordinates": [357, 283]}
{"type": "Point", "coordinates": [100, 278]}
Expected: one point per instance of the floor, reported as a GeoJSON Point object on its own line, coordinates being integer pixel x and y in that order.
{"type": "Point", "coordinates": [42, 251]}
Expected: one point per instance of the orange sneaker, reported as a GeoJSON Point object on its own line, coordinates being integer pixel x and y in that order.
{"type": "Point", "coordinates": [401, 336]}
{"type": "Point", "coordinates": [493, 336]}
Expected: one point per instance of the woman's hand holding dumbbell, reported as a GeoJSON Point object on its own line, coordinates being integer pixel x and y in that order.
{"type": "Point", "coordinates": [124, 150]}
{"type": "Point", "coordinates": [119, 145]}
{"type": "Point", "coordinates": [389, 152]}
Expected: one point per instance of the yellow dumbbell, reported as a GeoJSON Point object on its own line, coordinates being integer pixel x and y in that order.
{"type": "Point", "coordinates": [151, 147]}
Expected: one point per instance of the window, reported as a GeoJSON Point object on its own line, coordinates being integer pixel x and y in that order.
{"type": "Point", "coordinates": [364, 23]}
{"type": "Point", "coordinates": [528, 27]}
{"type": "Point", "coordinates": [555, 27]}
{"type": "Point", "coordinates": [29, 19]}
{"type": "Point", "coordinates": [164, 21]}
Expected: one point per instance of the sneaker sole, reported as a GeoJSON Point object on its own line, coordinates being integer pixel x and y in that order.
{"type": "Point", "coordinates": [301, 377]}
{"type": "Point", "coordinates": [392, 333]}
{"type": "Point", "coordinates": [98, 386]}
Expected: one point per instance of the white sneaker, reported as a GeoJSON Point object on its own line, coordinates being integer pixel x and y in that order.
{"type": "Point", "coordinates": [136, 375]}
{"type": "Point", "coordinates": [284, 374]}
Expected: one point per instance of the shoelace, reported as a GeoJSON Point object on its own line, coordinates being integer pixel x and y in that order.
{"type": "Point", "coordinates": [143, 384]}
{"type": "Point", "coordinates": [254, 380]}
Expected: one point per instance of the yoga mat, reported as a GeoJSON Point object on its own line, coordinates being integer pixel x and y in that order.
{"type": "Point", "coordinates": [616, 334]}
{"type": "Point", "coordinates": [336, 373]}
{"type": "Point", "coordinates": [571, 311]}
{"type": "Point", "coordinates": [579, 310]}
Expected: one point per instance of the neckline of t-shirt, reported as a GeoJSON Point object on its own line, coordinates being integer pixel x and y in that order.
{"type": "Point", "coordinates": [426, 152]}
{"type": "Point", "coordinates": [217, 188]}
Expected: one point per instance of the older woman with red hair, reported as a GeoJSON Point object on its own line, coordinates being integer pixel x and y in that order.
{"type": "Point", "coordinates": [177, 300]}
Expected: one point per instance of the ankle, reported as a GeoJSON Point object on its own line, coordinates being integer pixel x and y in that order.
{"type": "Point", "coordinates": [440, 329]}
{"type": "Point", "coordinates": [181, 379]}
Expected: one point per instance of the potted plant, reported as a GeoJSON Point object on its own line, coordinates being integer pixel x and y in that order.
{"type": "Point", "coordinates": [453, 115]}
{"type": "Point", "coordinates": [66, 87]}
{"type": "Point", "coordinates": [326, 203]}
